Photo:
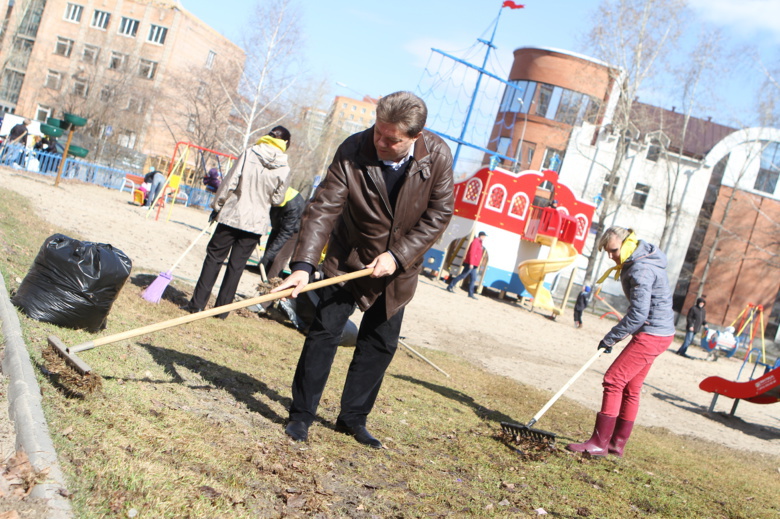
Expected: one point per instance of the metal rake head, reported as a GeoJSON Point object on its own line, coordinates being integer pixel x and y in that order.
{"type": "Point", "coordinates": [523, 431]}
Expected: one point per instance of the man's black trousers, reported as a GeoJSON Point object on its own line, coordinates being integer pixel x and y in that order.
{"type": "Point", "coordinates": [240, 245]}
{"type": "Point", "coordinates": [376, 344]}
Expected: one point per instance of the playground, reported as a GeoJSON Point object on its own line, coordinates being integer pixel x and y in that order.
{"type": "Point", "coordinates": [498, 335]}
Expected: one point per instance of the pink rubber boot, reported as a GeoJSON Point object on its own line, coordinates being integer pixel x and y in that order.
{"type": "Point", "coordinates": [620, 436]}
{"type": "Point", "coordinates": [602, 434]}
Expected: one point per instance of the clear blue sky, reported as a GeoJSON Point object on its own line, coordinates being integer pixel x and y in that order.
{"type": "Point", "coordinates": [376, 48]}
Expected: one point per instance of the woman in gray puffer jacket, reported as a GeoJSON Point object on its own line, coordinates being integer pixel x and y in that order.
{"type": "Point", "coordinates": [641, 268]}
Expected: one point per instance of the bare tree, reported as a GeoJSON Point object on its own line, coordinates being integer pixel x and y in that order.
{"type": "Point", "coordinates": [199, 107]}
{"type": "Point", "coordinates": [699, 66]}
{"type": "Point", "coordinates": [271, 46]}
{"type": "Point", "coordinates": [633, 37]}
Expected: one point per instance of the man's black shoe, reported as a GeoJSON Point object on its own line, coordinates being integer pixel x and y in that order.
{"type": "Point", "coordinates": [361, 434]}
{"type": "Point", "coordinates": [190, 309]}
{"type": "Point", "coordinates": [298, 431]}
{"type": "Point", "coordinates": [450, 289]}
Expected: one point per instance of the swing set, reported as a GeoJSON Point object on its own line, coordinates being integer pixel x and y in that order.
{"type": "Point", "coordinates": [177, 168]}
{"type": "Point", "coordinates": [751, 324]}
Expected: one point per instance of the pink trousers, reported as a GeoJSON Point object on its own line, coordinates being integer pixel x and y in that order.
{"type": "Point", "coordinates": [624, 378]}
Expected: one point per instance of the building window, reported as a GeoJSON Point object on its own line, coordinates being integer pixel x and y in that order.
{"type": "Point", "coordinates": [147, 68]}
{"type": "Point", "coordinates": [518, 96]}
{"type": "Point", "coordinates": [362, 110]}
{"type": "Point", "coordinates": [653, 151]}
{"type": "Point", "coordinates": [64, 47]}
{"type": "Point", "coordinates": [80, 87]}
{"type": "Point", "coordinates": [200, 94]}
{"type": "Point", "coordinates": [545, 96]}
{"type": "Point", "coordinates": [157, 34]}
{"type": "Point", "coordinates": [42, 113]}
{"type": "Point", "coordinates": [135, 105]}
{"type": "Point", "coordinates": [126, 139]}
{"type": "Point", "coordinates": [503, 145]}
{"type": "Point", "coordinates": [769, 170]}
{"type": "Point", "coordinates": [117, 61]}
{"type": "Point", "coordinates": [472, 191]}
{"type": "Point", "coordinates": [210, 59]}
{"type": "Point", "coordinates": [128, 26]}
{"type": "Point", "coordinates": [553, 159]}
{"type": "Point", "coordinates": [106, 93]}
{"type": "Point", "coordinates": [495, 200]}
{"type": "Point", "coordinates": [90, 54]}
{"type": "Point", "coordinates": [53, 80]}
{"type": "Point", "coordinates": [518, 206]}
{"type": "Point", "coordinates": [191, 123]}
{"type": "Point", "coordinates": [640, 196]}
{"type": "Point", "coordinates": [610, 188]}
{"type": "Point", "coordinates": [529, 153]}
{"type": "Point", "coordinates": [593, 110]}
{"type": "Point", "coordinates": [100, 19]}
{"type": "Point", "coordinates": [73, 12]}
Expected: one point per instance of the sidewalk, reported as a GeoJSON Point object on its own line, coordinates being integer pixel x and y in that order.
{"type": "Point", "coordinates": [25, 415]}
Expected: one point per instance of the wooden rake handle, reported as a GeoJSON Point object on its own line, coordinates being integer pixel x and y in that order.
{"type": "Point", "coordinates": [566, 386]}
{"type": "Point", "coordinates": [156, 327]}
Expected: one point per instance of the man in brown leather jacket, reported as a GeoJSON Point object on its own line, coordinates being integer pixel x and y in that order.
{"type": "Point", "coordinates": [386, 199]}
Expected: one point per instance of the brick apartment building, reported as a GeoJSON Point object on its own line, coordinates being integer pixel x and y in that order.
{"type": "Point", "coordinates": [123, 64]}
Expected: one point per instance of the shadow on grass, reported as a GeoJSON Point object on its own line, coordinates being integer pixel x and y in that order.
{"type": "Point", "coordinates": [460, 397]}
{"type": "Point", "coordinates": [763, 432]}
{"type": "Point", "coordinates": [240, 385]}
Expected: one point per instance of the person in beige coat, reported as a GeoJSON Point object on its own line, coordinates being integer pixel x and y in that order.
{"type": "Point", "coordinates": [257, 181]}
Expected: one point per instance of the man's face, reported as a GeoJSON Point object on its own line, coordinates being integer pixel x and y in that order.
{"type": "Point", "coordinates": [390, 142]}
{"type": "Point", "coordinates": [613, 248]}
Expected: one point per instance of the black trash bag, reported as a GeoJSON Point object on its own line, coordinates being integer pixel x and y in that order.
{"type": "Point", "coordinates": [73, 283]}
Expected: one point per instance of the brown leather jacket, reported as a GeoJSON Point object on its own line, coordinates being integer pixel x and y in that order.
{"type": "Point", "coordinates": [351, 212]}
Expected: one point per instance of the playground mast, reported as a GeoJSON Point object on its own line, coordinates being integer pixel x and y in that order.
{"type": "Point", "coordinates": [460, 141]}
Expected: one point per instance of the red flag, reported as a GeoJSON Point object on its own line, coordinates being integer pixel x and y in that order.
{"type": "Point", "coordinates": [510, 4]}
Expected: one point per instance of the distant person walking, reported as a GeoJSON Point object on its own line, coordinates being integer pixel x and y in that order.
{"type": "Point", "coordinates": [257, 180]}
{"type": "Point", "coordinates": [641, 269]}
{"type": "Point", "coordinates": [697, 317]}
{"type": "Point", "coordinates": [581, 305]}
{"type": "Point", "coordinates": [470, 265]}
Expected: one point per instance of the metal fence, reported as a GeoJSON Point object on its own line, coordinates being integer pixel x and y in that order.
{"type": "Point", "coordinates": [19, 157]}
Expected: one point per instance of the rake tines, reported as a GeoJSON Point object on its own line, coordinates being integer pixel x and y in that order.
{"type": "Point", "coordinates": [518, 431]}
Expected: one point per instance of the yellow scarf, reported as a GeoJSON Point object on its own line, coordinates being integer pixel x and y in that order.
{"type": "Point", "coordinates": [626, 250]}
{"type": "Point", "coordinates": [289, 195]}
{"type": "Point", "coordinates": [273, 141]}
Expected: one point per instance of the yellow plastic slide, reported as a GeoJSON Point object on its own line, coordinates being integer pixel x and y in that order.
{"type": "Point", "coordinates": [532, 272]}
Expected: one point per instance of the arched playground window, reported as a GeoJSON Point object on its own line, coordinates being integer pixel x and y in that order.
{"type": "Point", "coordinates": [582, 226]}
{"type": "Point", "coordinates": [496, 197]}
{"type": "Point", "coordinates": [519, 206]}
{"type": "Point", "coordinates": [472, 191]}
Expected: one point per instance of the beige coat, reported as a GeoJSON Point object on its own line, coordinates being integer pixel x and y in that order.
{"type": "Point", "coordinates": [257, 180]}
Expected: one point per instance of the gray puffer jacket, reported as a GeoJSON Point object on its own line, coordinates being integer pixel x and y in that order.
{"type": "Point", "coordinates": [650, 301]}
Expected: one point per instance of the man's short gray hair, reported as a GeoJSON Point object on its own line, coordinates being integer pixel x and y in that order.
{"type": "Point", "coordinates": [404, 109]}
{"type": "Point", "coordinates": [621, 233]}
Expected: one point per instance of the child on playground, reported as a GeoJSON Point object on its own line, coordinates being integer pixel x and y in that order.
{"type": "Point", "coordinates": [721, 342]}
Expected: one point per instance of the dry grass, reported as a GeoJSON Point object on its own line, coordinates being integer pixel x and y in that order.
{"type": "Point", "coordinates": [189, 423]}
